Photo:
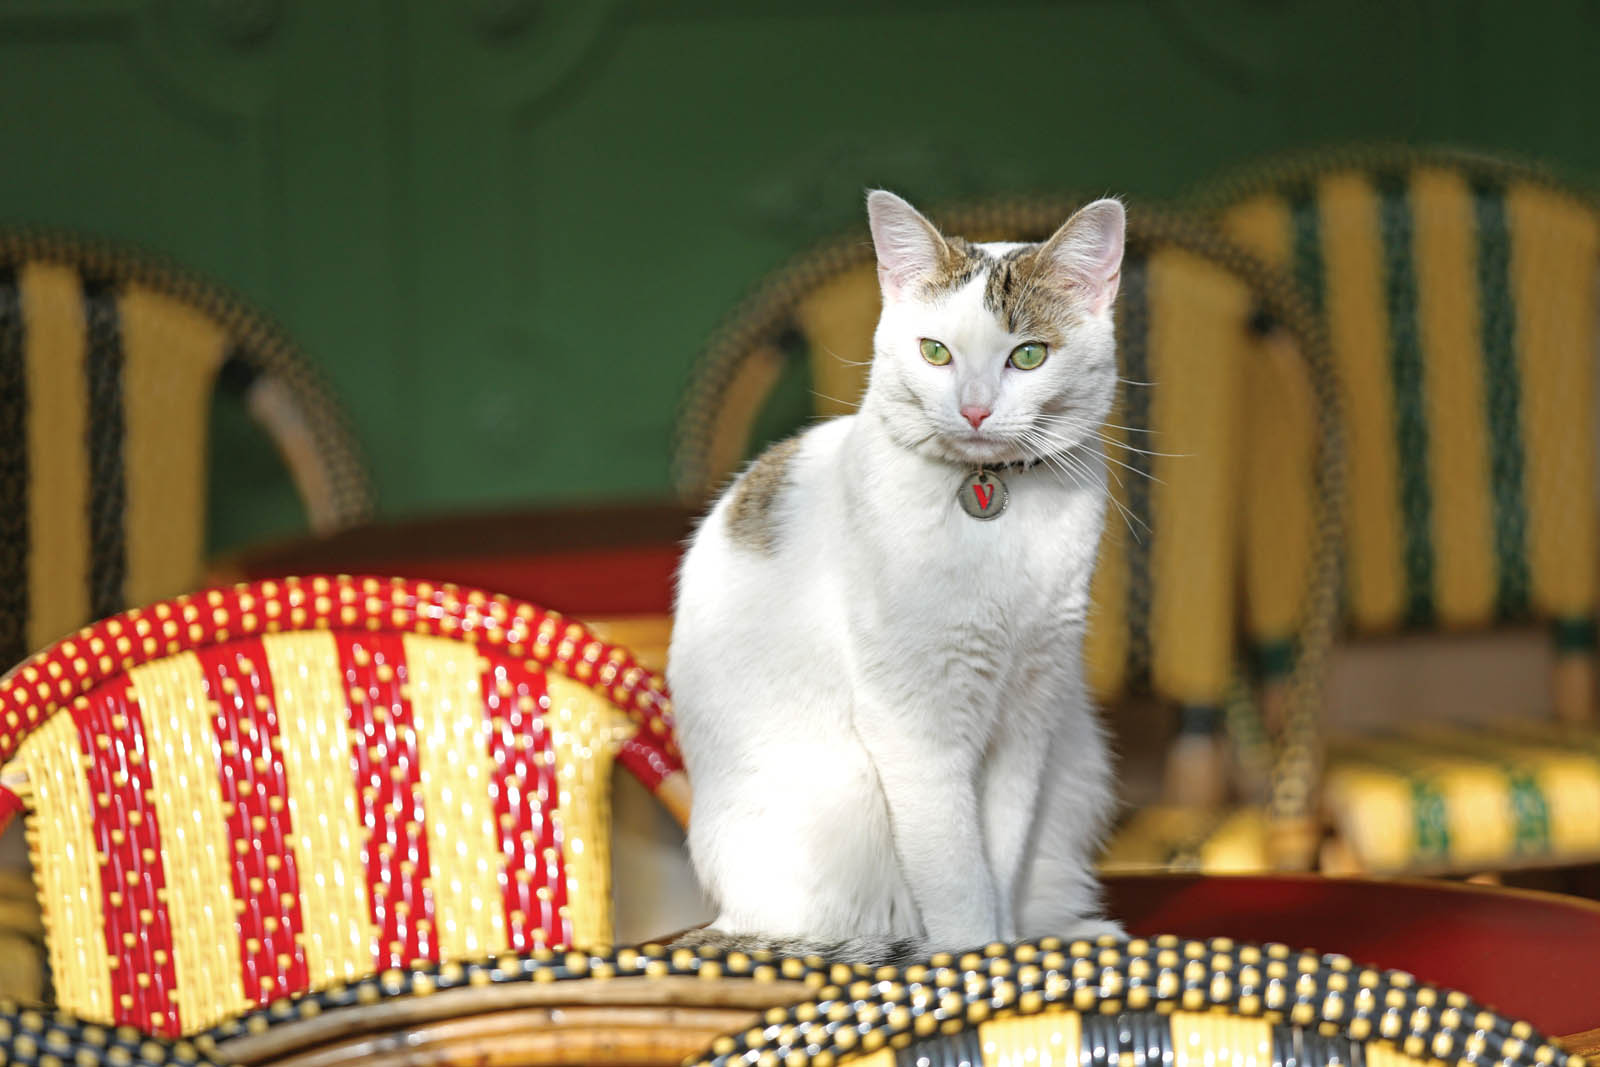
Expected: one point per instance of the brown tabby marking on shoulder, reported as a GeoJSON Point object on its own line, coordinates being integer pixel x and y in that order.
{"type": "Point", "coordinates": [1026, 301]}
{"type": "Point", "coordinates": [751, 523]}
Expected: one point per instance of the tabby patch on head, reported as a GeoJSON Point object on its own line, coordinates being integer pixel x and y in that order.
{"type": "Point", "coordinates": [994, 353]}
{"type": "Point", "coordinates": [751, 521]}
{"type": "Point", "coordinates": [1011, 289]}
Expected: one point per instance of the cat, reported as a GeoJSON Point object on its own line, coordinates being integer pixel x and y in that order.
{"type": "Point", "coordinates": [876, 662]}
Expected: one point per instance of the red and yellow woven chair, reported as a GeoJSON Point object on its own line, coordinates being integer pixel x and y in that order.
{"type": "Point", "coordinates": [109, 362]}
{"type": "Point", "coordinates": [1459, 296]}
{"type": "Point", "coordinates": [1147, 1001]}
{"type": "Point", "coordinates": [251, 792]}
{"type": "Point", "coordinates": [1205, 334]}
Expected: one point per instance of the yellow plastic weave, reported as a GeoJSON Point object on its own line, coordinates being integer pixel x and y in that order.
{"type": "Point", "coordinates": [457, 777]}
{"type": "Point", "coordinates": [585, 733]}
{"type": "Point", "coordinates": [338, 933]}
{"type": "Point", "coordinates": [1048, 1039]}
{"type": "Point", "coordinates": [195, 853]}
{"type": "Point", "coordinates": [66, 870]}
{"type": "Point", "coordinates": [58, 451]}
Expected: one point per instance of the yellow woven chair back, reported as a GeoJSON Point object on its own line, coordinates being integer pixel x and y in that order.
{"type": "Point", "coordinates": [108, 364]}
{"type": "Point", "coordinates": [1460, 301]}
{"type": "Point", "coordinates": [1204, 335]}
{"type": "Point", "coordinates": [253, 792]}
{"type": "Point", "coordinates": [1161, 1000]}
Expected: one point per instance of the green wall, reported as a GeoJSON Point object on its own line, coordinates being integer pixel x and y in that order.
{"type": "Point", "coordinates": [503, 228]}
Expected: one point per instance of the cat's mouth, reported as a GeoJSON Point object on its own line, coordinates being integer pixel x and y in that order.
{"type": "Point", "coordinates": [979, 447]}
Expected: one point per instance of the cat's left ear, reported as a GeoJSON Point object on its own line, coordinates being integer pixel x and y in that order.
{"type": "Point", "coordinates": [1086, 253]}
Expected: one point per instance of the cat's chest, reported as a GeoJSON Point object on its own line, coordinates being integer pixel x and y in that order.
{"type": "Point", "coordinates": [1026, 557]}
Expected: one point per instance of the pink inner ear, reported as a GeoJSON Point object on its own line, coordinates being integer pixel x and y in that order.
{"type": "Point", "coordinates": [907, 245]}
{"type": "Point", "coordinates": [1089, 251]}
{"type": "Point", "coordinates": [1106, 292]}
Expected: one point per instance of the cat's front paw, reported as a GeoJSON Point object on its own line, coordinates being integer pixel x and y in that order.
{"type": "Point", "coordinates": [875, 951]}
{"type": "Point", "coordinates": [1092, 930]}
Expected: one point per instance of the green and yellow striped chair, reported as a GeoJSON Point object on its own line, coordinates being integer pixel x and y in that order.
{"type": "Point", "coordinates": [108, 366]}
{"type": "Point", "coordinates": [1204, 334]}
{"type": "Point", "coordinates": [1459, 296]}
{"type": "Point", "coordinates": [1153, 1001]}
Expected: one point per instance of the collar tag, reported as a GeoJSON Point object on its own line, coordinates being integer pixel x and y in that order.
{"type": "Point", "coordinates": [983, 494]}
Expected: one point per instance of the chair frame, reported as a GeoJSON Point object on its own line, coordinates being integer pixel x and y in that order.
{"type": "Point", "coordinates": [328, 470]}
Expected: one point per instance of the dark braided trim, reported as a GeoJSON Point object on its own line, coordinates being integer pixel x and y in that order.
{"type": "Point", "coordinates": [769, 310]}
{"type": "Point", "coordinates": [952, 994]}
{"type": "Point", "coordinates": [1133, 351]}
{"type": "Point", "coordinates": [1279, 174]}
{"type": "Point", "coordinates": [265, 344]}
{"type": "Point", "coordinates": [33, 1038]}
{"type": "Point", "coordinates": [644, 963]}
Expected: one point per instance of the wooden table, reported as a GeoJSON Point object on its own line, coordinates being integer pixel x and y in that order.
{"type": "Point", "coordinates": [1529, 955]}
{"type": "Point", "coordinates": [611, 559]}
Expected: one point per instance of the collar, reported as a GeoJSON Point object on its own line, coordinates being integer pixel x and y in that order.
{"type": "Point", "coordinates": [1014, 465]}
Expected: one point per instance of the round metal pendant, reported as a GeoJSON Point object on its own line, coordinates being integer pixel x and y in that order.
{"type": "Point", "coordinates": [983, 494]}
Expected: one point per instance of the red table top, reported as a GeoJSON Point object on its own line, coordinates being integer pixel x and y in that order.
{"type": "Point", "coordinates": [1532, 956]}
{"type": "Point", "coordinates": [1529, 955]}
{"type": "Point", "coordinates": [585, 562]}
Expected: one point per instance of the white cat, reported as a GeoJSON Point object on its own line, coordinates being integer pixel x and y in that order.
{"type": "Point", "coordinates": [877, 657]}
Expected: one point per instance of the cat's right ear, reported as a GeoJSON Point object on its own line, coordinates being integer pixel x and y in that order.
{"type": "Point", "coordinates": [909, 248]}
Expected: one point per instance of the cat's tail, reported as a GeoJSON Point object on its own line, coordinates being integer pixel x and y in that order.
{"type": "Point", "coordinates": [874, 950]}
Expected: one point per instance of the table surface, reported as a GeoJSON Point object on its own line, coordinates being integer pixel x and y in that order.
{"type": "Point", "coordinates": [611, 559]}
{"type": "Point", "coordinates": [1528, 955]}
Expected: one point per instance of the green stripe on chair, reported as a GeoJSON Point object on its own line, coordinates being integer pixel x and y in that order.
{"type": "Point", "coordinates": [1307, 244]}
{"type": "Point", "coordinates": [1503, 397]}
{"type": "Point", "coordinates": [1410, 415]}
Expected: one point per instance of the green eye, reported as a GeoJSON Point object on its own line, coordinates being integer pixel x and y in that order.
{"type": "Point", "coordinates": [1028, 356]}
{"type": "Point", "coordinates": [934, 352]}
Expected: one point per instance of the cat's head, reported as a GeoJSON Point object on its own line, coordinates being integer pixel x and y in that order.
{"type": "Point", "coordinates": [994, 353]}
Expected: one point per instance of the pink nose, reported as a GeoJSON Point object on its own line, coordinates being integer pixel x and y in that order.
{"type": "Point", "coordinates": [975, 414]}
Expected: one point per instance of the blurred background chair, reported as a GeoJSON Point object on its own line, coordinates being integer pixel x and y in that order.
{"type": "Point", "coordinates": [1205, 335]}
{"type": "Point", "coordinates": [246, 793]}
{"type": "Point", "coordinates": [1460, 299]}
{"type": "Point", "coordinates": [108, 364]}
{"type": "Point", "coordinates": [1159, 1000]}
